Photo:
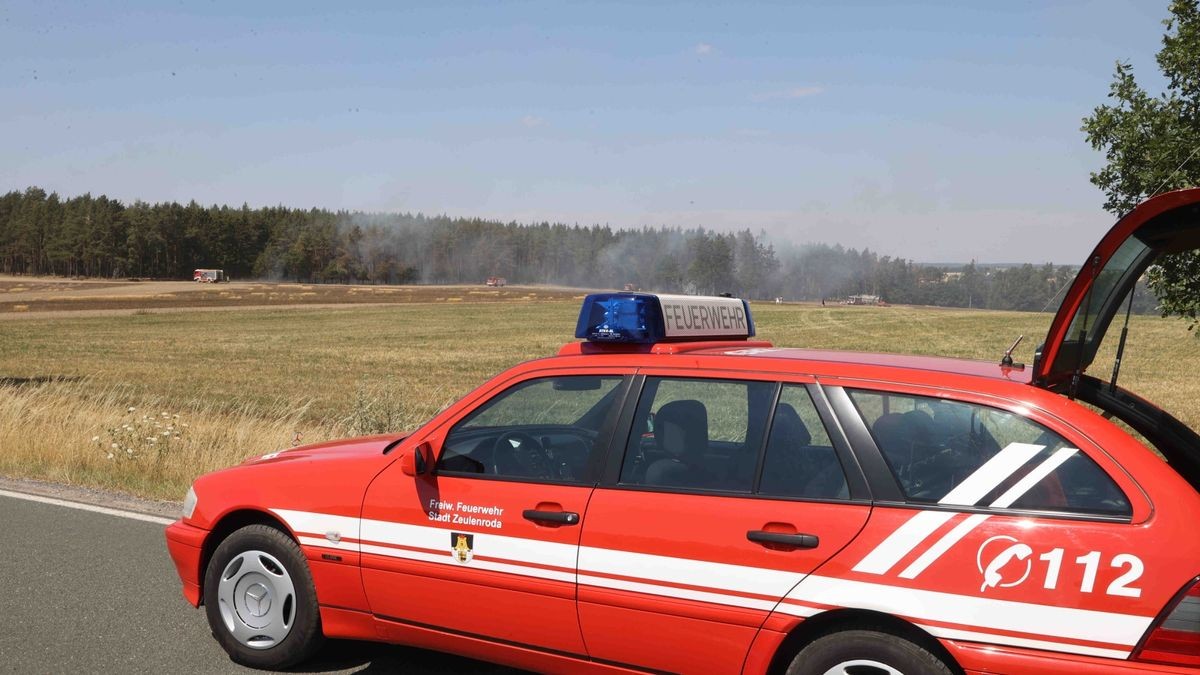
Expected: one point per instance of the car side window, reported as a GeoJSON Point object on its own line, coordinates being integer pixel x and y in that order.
{"type": "Point", "coordinates": [697, 434]}
{"type": "Point", "coordinates": [800, 460]}
{"type": "Point", "coordinates": [545, 429]}
{"type": "Point", "coordinates": [951, 452]}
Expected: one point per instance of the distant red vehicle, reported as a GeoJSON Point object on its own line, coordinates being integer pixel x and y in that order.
{"type": "Point", "coordinates": [496, 281]}
{"type": "Point", "coordinates": [203, 276]}
{"type": "Point", "coordinates": [672, 495]}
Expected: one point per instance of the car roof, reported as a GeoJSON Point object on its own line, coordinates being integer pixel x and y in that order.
{"type": "Point", "coordinates": [940, 364]}
{"type": "Point", "coordinates": [823, 361]}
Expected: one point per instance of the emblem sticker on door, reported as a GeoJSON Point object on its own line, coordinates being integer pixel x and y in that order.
{"type": "Point", "coordinates": [461, 546]}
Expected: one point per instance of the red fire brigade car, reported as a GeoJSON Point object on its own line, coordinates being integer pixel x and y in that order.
{"type": "Point", "coordinates": [669, 495]}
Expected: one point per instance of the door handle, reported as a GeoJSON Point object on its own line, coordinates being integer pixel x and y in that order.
{"type": "Point", "coordinates": [552, 517]}
{"type": "Point", "coordinates": [783, 539]}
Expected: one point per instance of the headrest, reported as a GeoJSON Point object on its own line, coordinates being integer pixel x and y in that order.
{"type": "Point", "coordinates": [788, 428]}
{"type": "Point", "coordinates": [681, 428]}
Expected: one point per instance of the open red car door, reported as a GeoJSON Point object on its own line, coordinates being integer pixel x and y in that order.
{"type": "Point", "coordinates": [1168, 223]}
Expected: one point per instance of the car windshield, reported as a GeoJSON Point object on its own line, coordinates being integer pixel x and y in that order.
{"type": "Point", "coordinates": [567, 401]}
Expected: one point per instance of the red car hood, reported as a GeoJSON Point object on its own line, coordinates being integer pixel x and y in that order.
{"type": "Point", "coordinates": [347, 447]}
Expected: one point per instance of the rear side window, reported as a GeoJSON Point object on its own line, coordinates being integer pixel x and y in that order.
{"type": "Point", "coordinates": [724, 435]}
{"type": "Point", "coordinates": [800, 459]}
{"type": "Point", "coordinates": [951, 452]}
{"type": "Point", "coordinates": [697, 434]}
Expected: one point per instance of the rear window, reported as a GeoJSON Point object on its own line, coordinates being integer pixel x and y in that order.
{"type": "Point", "coordinates": [800, 460]}
{"type": "Point", "coordinates": [956, 453]}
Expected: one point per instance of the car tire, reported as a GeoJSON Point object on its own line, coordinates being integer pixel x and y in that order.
{"type": "Point", "coordinates": [260, 600]}
{"type": "Point", "coordinates": [865, 652]}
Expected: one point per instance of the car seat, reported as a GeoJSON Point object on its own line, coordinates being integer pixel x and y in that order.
{"type": "Point", "coordinates": [784, 469]}
{"type": "Point", "coordinates": [906, 440]}
{"type": "Point", "coordinates": [796, 468]}
{"type": "Point", "coordinates": [681, 435]}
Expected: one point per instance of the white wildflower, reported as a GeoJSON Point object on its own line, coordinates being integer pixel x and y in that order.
{"type": "Point", "coordinates": [95, 439]}
{"type": "Point", "coordinates": [115, 445]}
{"type": "Point", "coordinates": [131, 409]}
{"type": "Point", "coordinates": [110, 455]}
{"type": "Point", "coordinates": [166, 433]}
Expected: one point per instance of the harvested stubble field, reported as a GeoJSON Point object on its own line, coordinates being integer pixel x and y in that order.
{"type": "Point", "coordinates": [214, 387]}
{"type": "Point", "coordinates": [24, 296]}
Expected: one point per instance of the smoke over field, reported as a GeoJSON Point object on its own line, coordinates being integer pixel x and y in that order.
{"type": "Point", "coordinates": [97, 237]}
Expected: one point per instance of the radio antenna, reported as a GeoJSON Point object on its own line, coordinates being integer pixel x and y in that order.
{"type": "Point", "coordinates": [1007, 360]}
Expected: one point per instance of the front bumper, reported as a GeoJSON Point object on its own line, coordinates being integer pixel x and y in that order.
{"type": "Point", "coordinates": [186, 546]}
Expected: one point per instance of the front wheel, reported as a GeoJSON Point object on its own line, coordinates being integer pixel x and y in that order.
{"type": "Point", "coordinates": [865, 652]}
{"type": "Point", "coordinates": [260, 600]}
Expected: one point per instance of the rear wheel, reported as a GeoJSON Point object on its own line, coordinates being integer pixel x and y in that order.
{"type": "Point", "coordinates": [865, 652]}
{"type": "Point", "coordinates": [260, 601]}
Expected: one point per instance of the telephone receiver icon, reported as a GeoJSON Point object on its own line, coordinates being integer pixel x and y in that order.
{"type": "Point", "coordinates": [992, 576]}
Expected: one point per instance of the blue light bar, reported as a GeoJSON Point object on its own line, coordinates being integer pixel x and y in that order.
{"type": "Point", "coordinates": [645, 318]}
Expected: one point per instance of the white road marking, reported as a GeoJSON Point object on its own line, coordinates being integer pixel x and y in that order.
{"type": "Point", "coordinates": [131, 515]}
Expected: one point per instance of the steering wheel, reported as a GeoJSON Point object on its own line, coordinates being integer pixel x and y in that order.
{"type": "Point", "coordinates": [526, 458]}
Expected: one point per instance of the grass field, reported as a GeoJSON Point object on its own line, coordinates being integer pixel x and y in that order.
{"type": "Point", "coordinates": [37, 295]}
{"type": "Point", "coordinates": [214, 387]}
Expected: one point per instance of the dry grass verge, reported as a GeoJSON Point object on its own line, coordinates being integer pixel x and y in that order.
{"type": "Point", "coordinates": [79, 432]}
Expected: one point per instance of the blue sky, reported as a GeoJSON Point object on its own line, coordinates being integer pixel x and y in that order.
{"type": "Point", "coordinates": [932, 131]}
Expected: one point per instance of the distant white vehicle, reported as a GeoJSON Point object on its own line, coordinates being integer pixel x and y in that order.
{"type": "Point", "coordinates": [209, 276]}
{"type": "Point", "coordinates": [864, 300]}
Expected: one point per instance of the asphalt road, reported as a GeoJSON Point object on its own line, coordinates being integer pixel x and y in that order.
{"type": "Point", "coordinates": [84, 592]}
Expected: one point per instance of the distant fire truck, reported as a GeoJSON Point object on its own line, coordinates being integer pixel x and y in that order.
{"type": "Point", "coordinates": [496, 281]}
{"type": "Point", "coordinates": [209, 276]}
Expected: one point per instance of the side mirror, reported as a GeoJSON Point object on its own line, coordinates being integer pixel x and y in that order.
{"type": "Point", "coordinates": [416, 461]}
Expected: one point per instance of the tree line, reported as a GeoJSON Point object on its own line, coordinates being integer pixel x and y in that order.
{"type": "Point", "coordinates": [86, 236]}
